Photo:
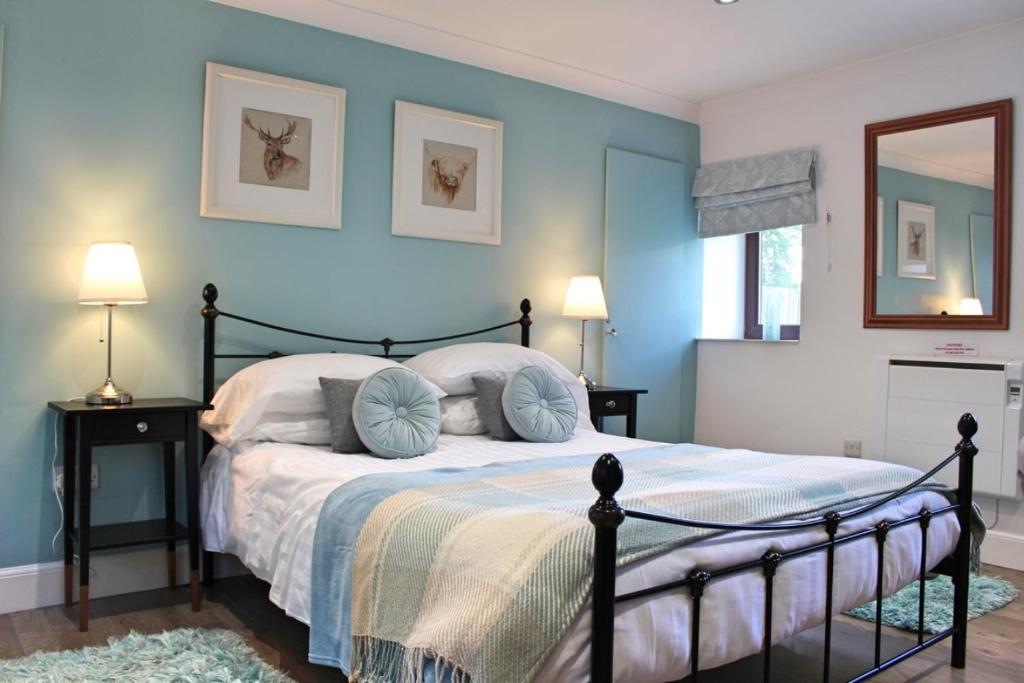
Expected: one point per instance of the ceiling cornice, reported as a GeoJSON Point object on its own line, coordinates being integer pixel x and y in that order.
{"type": "Point", "coordinates": [335, 15]}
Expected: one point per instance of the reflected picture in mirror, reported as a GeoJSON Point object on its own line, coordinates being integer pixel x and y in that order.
{"type": "Point", "coordinates": [916, 240]}
{"type": "Point", "coordinates": [932, 245]}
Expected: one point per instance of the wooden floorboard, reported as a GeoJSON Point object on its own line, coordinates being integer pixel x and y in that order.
{"type": "Point", "coordinates": [995, 643]}
{"type": "Point", "coordinates": [10, 646]}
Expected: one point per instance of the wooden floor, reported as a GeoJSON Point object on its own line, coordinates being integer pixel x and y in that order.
{"type": "Point", "coordinates": [995, 654]}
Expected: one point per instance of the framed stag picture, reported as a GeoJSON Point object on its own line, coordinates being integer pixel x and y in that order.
{"type": "Point", "coordinates": [446, 178]}
{"type": "Point", "coordinates": [916, 234]}
{"type": "Point", "coordinates": [272, 149]}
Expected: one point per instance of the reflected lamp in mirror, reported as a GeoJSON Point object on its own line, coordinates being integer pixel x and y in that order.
{"type": "Point", "coordinates": [584, 300]}
{"type": "Point", "coordinates": [942, 232]}
{"type": "Point", "coordinates": [971, 306]}
{"type": "Point", "coordinates": [111, 278]}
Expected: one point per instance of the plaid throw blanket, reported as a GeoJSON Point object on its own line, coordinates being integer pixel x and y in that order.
{"type": "Point", "coordinates": [477, 574]}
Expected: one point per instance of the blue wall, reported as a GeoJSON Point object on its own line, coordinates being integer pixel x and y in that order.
{"type": "Point", "coordinates": [954, 203]}
{"type": "Point", "coordinates": [100, 138]}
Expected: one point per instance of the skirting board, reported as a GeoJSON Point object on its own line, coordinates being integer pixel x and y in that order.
{"type": "Point", "coordinates": [42, 585]}
{"type": "Point", "coordinates": [1003, 550]}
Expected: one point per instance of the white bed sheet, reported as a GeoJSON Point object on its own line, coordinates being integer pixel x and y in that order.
{"type": "Point", "coordinates": [261, 502]}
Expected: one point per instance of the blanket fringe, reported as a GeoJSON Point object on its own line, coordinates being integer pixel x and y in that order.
{"type": "Point", "coordinates": [384, 661]}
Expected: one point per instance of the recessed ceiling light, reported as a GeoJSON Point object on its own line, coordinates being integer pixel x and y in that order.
{"type": "Point", "coordinates": [726, 2]}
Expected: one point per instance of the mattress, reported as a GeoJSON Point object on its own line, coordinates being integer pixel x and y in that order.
{"type": "Point", "coordinates": [261, 503]}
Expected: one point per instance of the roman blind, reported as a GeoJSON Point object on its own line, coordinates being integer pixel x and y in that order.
{"type": "Point", "coordinates": [756, 193]}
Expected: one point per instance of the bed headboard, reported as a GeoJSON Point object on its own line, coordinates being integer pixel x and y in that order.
{"type": "Point", "coordinates": [210, 314]}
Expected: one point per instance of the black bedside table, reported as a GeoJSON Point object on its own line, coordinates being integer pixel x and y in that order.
{"type": "Point", "coordinates": [155, 420]}
{"type": "Point", "coordinates": [608, 401]}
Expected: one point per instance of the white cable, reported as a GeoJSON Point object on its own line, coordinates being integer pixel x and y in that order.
{"type": "Point", "coordinates": [993, 526]}
{"type": "Point", "coordinates": [53, 480]}
{"type": "Point", "coordinates": [56, 490]}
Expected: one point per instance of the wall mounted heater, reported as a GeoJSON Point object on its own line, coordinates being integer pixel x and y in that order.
{"type": "Point", "coordinates": [919, 401]}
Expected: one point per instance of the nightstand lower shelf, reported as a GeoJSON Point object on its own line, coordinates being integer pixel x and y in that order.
{"type": "Point", "coordinates": [123, 535]}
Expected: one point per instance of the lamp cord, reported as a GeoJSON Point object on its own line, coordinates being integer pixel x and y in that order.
{"type": "Point", "coordinates": [56, 490]}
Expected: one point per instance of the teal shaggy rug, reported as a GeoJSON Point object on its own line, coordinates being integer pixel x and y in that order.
{"type": "Point", "coordinates": [987, 594]}
{"type": "Point", "coordinates": [188, 655]}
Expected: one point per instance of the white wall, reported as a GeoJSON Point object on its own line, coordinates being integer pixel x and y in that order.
{"type": "Point", "coordinates": [807, 397]}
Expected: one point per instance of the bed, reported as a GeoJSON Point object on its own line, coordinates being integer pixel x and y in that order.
{"type": "Point", "coordinates": [677, 612]}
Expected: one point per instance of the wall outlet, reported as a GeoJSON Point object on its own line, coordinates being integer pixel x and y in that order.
{"type": "Point", "coordinates": [851, 448]}
{"type": "Point", "coordinates": [58, 478]}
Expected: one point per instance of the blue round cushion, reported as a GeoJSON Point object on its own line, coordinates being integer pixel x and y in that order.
{"type": "Point", "coordinates": [538, 406]}
{"type": "Point", "coordinates": [396, 414]}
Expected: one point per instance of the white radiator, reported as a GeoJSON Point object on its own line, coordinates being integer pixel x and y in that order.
{"type": "Point", "coordinates": [920, 400]}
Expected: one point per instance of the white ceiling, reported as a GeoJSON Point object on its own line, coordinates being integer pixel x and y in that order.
{"type": "Point", "coordinates": [962, 152]}
{"type": "Point", "coordinates": [666, 56]}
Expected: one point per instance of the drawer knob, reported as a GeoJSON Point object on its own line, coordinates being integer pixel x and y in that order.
{"type": "Point", "coordinates": [142, 427]}
{"type": "Point", "coordinates": [609, 403]}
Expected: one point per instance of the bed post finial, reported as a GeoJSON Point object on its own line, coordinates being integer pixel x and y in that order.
{"type": "Point", "coordinates": [210, 295]}
{"type": "Point", "coordinates": [606, 516]}
{"type": "Point", "coordinates": [968, 427]}
{"type": "Point", "coordinates": [524, 322]}
{"type": "Point", "coordinates": [607, 476]}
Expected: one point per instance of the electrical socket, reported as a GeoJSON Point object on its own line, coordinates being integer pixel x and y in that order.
{"type": "Point", "coordinates": [58, 478]}
{"type": "Point", "coordinates": [851, 448]}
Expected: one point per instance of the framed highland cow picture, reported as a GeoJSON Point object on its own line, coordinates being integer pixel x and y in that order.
{"type": "Point", "coordinates": [446, 178]}
{"type": "Point", "coordinates": [272, 149]}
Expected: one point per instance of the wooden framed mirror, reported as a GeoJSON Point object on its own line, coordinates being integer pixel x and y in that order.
{"type": "Point", "coordinates": [938, 192]}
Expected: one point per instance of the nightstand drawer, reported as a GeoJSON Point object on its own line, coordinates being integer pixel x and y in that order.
{"type": "Point", "coordinates": [140, 427]}
{"type": "Point", "coordinates": [610, 404]}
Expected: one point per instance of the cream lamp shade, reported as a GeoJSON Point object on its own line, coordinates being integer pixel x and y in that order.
{"type": "Point", "coordinates": [111, 276]}
{"type": "Point", "coordinates": [971, 306]}
{"type": "Point", "coordinates": [584, 300]}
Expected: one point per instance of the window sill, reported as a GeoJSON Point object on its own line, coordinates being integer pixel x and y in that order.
{"type": "Point", "coordinates": [749, 341]}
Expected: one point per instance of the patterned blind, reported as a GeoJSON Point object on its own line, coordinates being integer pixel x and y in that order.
{"type": "Point", "coordinates": [756, 193]}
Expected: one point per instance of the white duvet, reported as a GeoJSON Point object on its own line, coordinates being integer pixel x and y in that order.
{"type": "Point", "coordinates": [261, 502]}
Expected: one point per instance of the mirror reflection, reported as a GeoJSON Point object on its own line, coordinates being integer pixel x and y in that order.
{"type": "Point", "coordinates": [935, 229]}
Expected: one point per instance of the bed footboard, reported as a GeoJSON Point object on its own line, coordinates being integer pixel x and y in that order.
{"type": "Point", "coordinates": [606, 515]}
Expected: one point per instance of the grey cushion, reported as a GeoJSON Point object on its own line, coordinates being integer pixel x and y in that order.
{"type": "Point", "coordinates": [488, 390]}
{"type": "Point", "coordinates": [339, 395]}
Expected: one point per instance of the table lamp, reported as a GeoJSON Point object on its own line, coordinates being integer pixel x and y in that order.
{"type": "Point", "coordinates": [111, 277]}
{"type": "Point", "coordinates": [584, 300]}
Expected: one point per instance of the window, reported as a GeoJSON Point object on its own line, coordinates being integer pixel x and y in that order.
{"type": "Point", "coordinates": [773, 274]}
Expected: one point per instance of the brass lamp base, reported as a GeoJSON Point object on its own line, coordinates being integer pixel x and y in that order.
{"type": "Point", "coordinates": [586, 381]}
{"type": "Point", "coordinates": [108, 395]}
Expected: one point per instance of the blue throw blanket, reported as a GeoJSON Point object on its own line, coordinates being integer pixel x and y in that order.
{"type": "Point", "coordinates": [345, 511]}
{"type": "Point", "coordinates": [431, 575]}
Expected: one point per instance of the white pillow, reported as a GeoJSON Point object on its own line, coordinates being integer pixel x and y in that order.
{"type": "Point", "coordinates": [280, 399]}
{"type": "Point", "coordinates": [452, 368]}
{"type": "Point", "coordinates": [460, 415]}
{"type": "Point", "coordinates": [315, 432]}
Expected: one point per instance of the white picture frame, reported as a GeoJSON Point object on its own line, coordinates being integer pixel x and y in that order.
{"type": "Point", "coordinates": [916, 245]}
{"type": "Point", "coordinates": [255, 166]}
{"type": "Point", "coordinates": [446, 175]}
{"type": "Point", "coordinates": [880, 237]}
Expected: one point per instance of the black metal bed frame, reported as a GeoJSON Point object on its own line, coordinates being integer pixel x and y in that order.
{"type": "Point", "coordinates": [210, 313]}
{"type": "Point", "coordinates": [606, 515]}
